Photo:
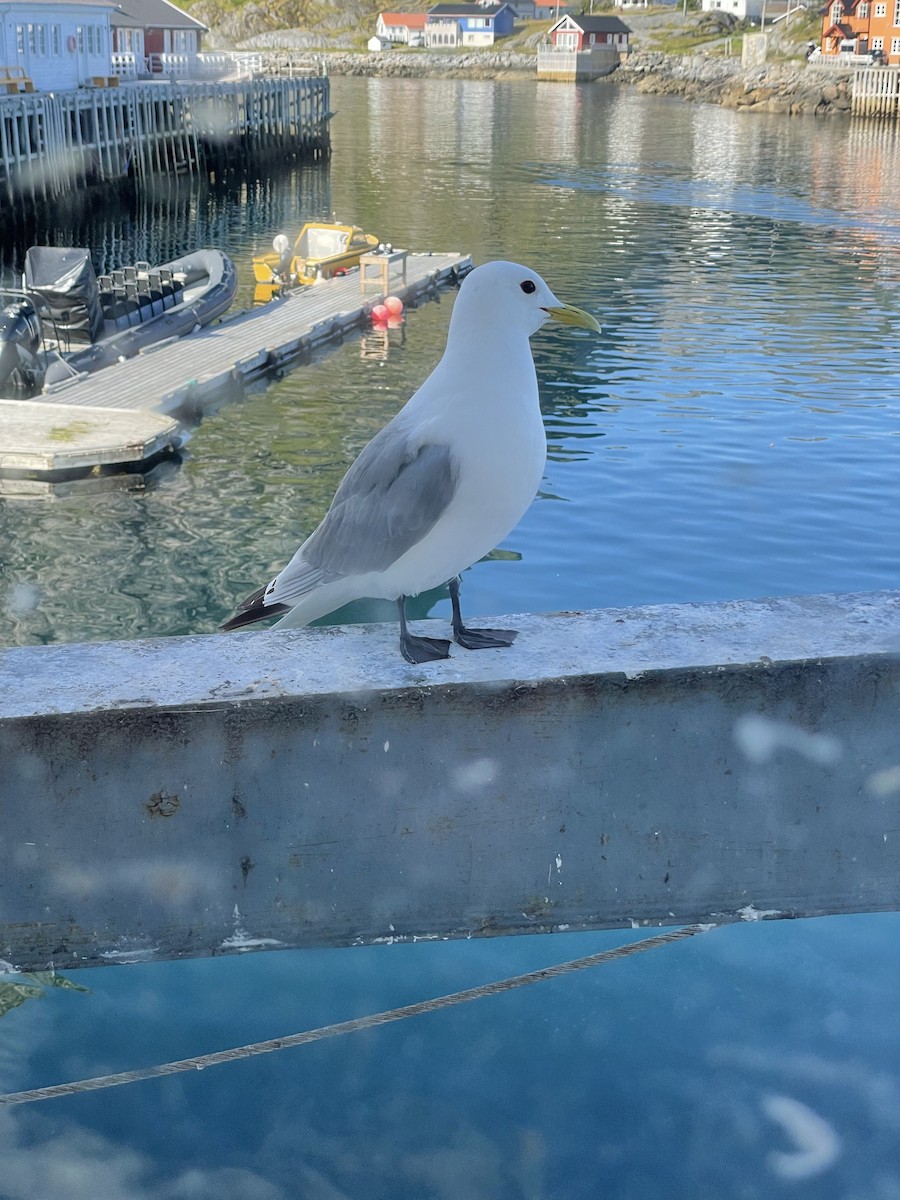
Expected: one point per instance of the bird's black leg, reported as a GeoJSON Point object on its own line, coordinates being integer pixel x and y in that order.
{"type": "Point", "coordinates": [419, 649]}
{"type": "Point", "coordinates": [476, 639]}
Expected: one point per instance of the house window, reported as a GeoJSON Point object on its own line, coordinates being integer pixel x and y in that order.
{"type": "Point", "coordinates": [896, 13]}
{"type": "Point", "coordinates": [876, 44]}
{"type": "Point", "coordinates": [863, 11]}
{"type": "Point", "coordinates": [836, 13]}
{"type": "Point", "coordinates": [880, 10]}
{"type": "Point", "coordinates": [895, 45]}
{"type": "Point", "coordinates": [56, 39]}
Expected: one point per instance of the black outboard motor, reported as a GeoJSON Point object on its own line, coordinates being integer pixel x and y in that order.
{"type": "Point", "coordinates": [20, 344]}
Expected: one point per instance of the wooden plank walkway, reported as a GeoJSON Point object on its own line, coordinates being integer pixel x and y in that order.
{"type": "Point", "coordinates": [55, 437]}
{"type": "Point", "coordinates": [182, 378]}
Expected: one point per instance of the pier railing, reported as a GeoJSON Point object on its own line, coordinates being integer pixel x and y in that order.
{"type": "Point", "coordinates": [876, 92]}
{"type": "Point", "coordinates": [647, 766]}
{"type": "Point", "coordinates": [51, 143]}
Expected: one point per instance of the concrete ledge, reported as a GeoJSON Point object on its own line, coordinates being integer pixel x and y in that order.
{"type": "Point", "coordinates": [641, 766]}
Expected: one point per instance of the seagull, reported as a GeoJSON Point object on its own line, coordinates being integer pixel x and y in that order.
{"type": "Point", "coordinates": [444, 481]}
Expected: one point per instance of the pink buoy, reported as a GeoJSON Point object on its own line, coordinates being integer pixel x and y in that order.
{"type": "Point", "coordinates": [380, 313]}
{"type": "Point", "coordinates": [394, 305]}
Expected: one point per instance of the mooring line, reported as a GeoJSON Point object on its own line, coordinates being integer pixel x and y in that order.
{"type": "Point", "coordinates": [100, 1082]}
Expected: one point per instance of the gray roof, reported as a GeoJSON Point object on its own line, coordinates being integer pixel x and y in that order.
{"type": "Point", "coordinates": [595, 24]}
{"type": "Point", "coordinates": [465, 10]}
{"type": "Point", "coordinates": [151, 14]}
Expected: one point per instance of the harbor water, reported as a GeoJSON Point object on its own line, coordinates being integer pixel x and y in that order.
{"type": "Point", "coordinates": [733, 433]}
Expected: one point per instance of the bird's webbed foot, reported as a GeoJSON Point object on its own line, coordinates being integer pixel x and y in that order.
{"type": "Point", "coordinates": [483, 639]}
{"type": "Point", "coordinates": [419, 649]}
{"type": "Point", "coordinates": [423, 649]}
{"type": "Point", "coordinates": [476, 639]}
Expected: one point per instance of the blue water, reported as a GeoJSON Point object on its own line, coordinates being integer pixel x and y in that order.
{"type": "Point", "coordinates": [734, 433]}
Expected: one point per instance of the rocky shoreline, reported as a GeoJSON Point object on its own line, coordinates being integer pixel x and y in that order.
{"type": "Point", "coordinates": [403, 65]}
{"type": "Point", "coordinates": [788, 88]}
{"type": "Point", "coordinates": [777, 88]}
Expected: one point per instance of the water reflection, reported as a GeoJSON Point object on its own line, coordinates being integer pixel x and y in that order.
{"type": "Point", "coordinates": [743, 273]}
{"type": "Point", "coordinates": [169, 217]}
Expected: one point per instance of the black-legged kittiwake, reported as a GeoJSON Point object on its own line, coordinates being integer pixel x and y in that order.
{"type": "Point", "coordinates": [443, 482]}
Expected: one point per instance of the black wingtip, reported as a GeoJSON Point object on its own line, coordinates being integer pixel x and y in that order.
{"type": "Point", "coordinates": [250, 616]}
{"type": "Point", "coordinates": [253, 609]}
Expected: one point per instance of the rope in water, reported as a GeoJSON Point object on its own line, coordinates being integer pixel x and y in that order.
{"type": "Point", "coordinates": [100, 1082]}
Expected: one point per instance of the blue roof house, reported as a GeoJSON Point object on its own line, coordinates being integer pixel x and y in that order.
{"type": "Point", "coordinates": [476, 24]}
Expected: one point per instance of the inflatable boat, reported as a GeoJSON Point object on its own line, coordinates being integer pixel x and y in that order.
{"type": "Point", "coordinates": [66, 321]}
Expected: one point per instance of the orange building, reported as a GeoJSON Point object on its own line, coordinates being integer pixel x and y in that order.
{"type": "Point", "coordinates": [863, 27]}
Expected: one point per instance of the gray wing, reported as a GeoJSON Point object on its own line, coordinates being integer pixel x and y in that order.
{"type": "Point", "coordinates": [387, 502]}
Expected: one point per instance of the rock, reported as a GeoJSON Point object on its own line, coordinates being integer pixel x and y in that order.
{"type": "Point", "coordinates": [775, 88]}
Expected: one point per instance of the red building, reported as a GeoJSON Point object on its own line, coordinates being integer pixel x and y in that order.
{"type": "Point", "coordinates": [582, 32]}
{"type": "Point", "coordinates": [152, 27]}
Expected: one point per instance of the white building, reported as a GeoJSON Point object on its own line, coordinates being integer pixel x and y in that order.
{"type": "Point", "coordinates": [58, 44]}
{"type": "Point", "coordinates": [744, 10]}
{"type": "Point", "coordinates": [406, 28]}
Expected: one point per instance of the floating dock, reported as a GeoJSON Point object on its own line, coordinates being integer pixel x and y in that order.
{"type": "Point", "coordinates": [61, 439]}
{"type": "Point", "coordinates": [613, 769]}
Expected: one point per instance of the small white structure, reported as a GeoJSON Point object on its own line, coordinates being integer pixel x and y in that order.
{"type": "Point", "coordinates": [744, 10]}
{"type": "Point", "coordinates": [406, 28]}
{"type": "Point", "coordinates": [57, 46]}
{"type": "Point", "coordinates": [379, 43]}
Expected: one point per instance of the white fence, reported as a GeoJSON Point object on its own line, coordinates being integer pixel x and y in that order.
{"type": "Point", "coordinates": [555, 62]}
{"type": "Point", "coordinates": [124, 65]}
{"type": "Point", "coordinates": [188, 66]}
{"type": "Point", "coordinates": [876, 92]}
{"type": "Point", "coordinates": [839, 62]}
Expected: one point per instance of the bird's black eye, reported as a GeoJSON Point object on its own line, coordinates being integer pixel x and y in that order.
{"type": "Point", "coordinates": [528, 286]}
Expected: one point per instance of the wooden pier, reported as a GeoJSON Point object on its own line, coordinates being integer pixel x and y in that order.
{"type": "Point", "coordinates": [876, 92]}
{"type": "Point", "coordinates": [59, 440]}
{"type": "Point", "coordinates": [51, 143]}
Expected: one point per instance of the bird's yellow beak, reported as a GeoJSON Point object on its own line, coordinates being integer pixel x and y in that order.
{"type": "Point", "coordinates": [568, 314]}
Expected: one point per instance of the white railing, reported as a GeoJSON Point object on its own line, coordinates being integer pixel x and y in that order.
{"type": "Point", "coordinates": [839, 62]}
{"type": "Point", "coordinates": [206, 66]}
{"type": "Point", "coordinates": [246, 66]}
{"type": "Point", "coordinates": [123, 65]}
{"type": "Point", "coordinates": [555, 59]}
